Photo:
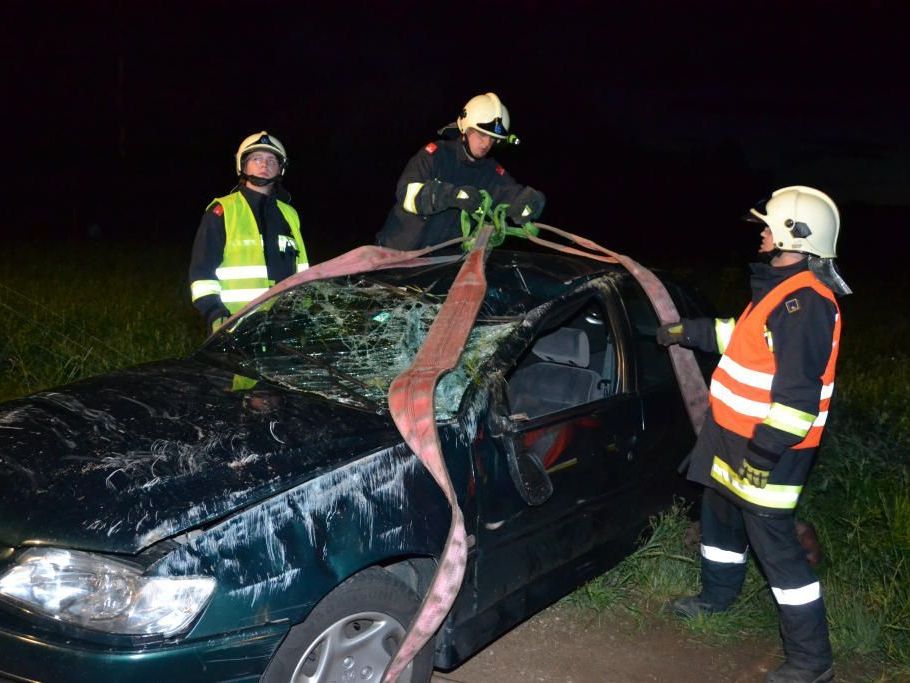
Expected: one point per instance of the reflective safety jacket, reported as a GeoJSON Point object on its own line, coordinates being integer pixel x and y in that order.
{"type": "Point", "coordinates": [771, 390]}
{"type": "Point", "coordinates": [741, 385]}
{"type": "Point", "coordinates": [243, 269]}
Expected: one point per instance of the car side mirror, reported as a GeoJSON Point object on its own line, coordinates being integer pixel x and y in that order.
{"type": "Point", "coordinates": [528, 474]}
{"type": "Point", "coordinates": [526, 470]}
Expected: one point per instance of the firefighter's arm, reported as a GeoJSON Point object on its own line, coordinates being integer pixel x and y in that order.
{"type": "Point", "coordinates": [422, 193]}
{"type": "Point", "coordinates": [207, 254]}
{"type": "Point", "coordinates": [705, 334]}
{"type": "Point", "coordinates": [801, 330]}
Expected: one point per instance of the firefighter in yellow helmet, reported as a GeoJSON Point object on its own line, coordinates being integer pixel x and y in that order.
{"type": "Point", "coordinates": [249, 239]}
{"type": "Point", "coordinates": [446, 176]}
{"type": "Point", "coordinates": [769, 402]}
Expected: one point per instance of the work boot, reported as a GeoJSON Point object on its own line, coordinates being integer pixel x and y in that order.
{"type": "Point", "coordinates": [788, 673]}
{"type": "Point", "coordinates": [692, 606]}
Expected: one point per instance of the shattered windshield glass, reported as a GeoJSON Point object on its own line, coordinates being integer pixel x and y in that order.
{"type": "Point", "coordinates": [347, 339]}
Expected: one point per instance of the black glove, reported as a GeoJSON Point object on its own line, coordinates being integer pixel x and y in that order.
{"type": "Point", "coordinates": [467, 198]}
{"type": "Point", "coordinates": [671, 333]}
{"type": "Point", "coordinates": [753, 474]}
{"type": "Point", "coordinates": [527, 206]}
{"type": "Point", "coordinates": [216, 317]}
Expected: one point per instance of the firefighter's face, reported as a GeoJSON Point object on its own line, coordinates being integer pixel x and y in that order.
{"type": "Point", "coordinates": [479, 144]}
{"type": "Point", "coordinates": [262, 165]}
{"type": "Point", "coordinates": [767, 241]}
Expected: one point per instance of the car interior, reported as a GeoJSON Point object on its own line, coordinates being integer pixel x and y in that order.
{"type": "Point", "coordinates": [571, 365]}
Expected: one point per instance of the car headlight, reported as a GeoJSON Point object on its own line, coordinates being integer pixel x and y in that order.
{"type": "Point", "coordinates": [103, 594]}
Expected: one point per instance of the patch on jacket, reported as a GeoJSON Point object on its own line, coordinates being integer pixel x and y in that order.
{"type": "Point", "coordinates": [792, 305]}
{"type": "Point", "coordinates": [431, 148]}
{"type": "Point", "coordinates": [218, 210]}
{"type": "Point", "coordinates": [500, 170]}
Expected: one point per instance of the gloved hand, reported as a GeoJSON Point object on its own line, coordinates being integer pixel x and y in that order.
{"type": "Point", "coordinates": [753, 475]}
{"type": "Point", "coordinates": [217, 317]}
{"type": "Point", "coordinates": [467, 198]}
{"type": "Point", "coordinates": [671, 333]}
{"type": "Point", "coordinates": [527, 206]}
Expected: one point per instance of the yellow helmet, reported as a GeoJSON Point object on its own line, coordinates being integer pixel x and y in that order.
{"type": "Point", "coordinates": [486, 114]}
{"type": "Point", "coordinates": [261, 141]}
{"type": "Point", "coordinates": [801, 219]}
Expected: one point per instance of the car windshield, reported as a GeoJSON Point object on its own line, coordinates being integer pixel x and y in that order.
{"type": "Point", "coordinates": [347, 339]}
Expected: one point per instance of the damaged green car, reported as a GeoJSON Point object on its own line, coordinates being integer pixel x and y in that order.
{"type": "Point", "coordinates": [251, 513]}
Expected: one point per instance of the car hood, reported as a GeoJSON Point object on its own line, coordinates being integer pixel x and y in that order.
{"type": "Point", "coordinates": [118, 462]}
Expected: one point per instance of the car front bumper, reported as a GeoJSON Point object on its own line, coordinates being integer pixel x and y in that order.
{"type": "Point", "coordinates": [240, 656]}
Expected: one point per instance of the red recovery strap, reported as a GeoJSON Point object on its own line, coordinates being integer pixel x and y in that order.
{"type": "Point", "coordinates": [411, 400]}
{"type": "Point", "coordinates": [412, 404]}
{"type": "Point", "coordinates": [359, 260]}
{"type": "Point", "coordinates": [412, 393]}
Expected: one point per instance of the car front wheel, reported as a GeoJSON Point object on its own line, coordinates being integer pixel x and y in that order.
{"type": "Point", "coordinates": [352, 634]}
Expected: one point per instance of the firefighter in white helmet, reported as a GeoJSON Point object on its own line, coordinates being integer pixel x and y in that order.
{"type": "Point", "coordinates": [445, 177]}
{"type": "Point", "coordinates": [249, 239]}
{"type": "Point", "coordinates": [769, 402]}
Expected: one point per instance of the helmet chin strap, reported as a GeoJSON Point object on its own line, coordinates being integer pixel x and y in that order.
{"type": "Point", "coordinates": [768, 256]}
{"type": "Point", "coordinates": [257, 181]}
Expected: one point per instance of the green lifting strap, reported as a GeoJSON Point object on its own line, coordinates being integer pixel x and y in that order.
{"type": "Point", "coordinates": [486, 213]}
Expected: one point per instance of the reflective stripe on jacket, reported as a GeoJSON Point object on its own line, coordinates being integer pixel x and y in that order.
{"type": "Point", "coordinates": [243, 275]}
{"type": "Point", "coordinates": [741, 385]}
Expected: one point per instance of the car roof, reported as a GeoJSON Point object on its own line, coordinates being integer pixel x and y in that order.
{"type": "Point", "coordinates": [517, 281]}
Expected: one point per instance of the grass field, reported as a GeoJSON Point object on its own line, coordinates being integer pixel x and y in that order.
{"type": "Point", "coordinates": [88, 309]}
{"type": "Point", "coordinates": [92, 308]}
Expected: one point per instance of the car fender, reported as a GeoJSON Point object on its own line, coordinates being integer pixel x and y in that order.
{"type": "Point", "coordinates": [277, 559]}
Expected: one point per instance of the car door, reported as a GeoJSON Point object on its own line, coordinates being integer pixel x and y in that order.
{"type": "Point", "coordinates": [667, 436]}
{"type": "Point", "coordinates": [553, 488]}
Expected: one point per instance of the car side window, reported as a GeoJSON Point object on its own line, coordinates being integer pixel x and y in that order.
{"type": "Point", "coordinates": [566, 365]}
{"type": "Point", "coordinates": [653, 361]}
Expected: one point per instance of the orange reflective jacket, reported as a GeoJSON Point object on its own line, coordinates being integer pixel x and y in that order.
{"type": "Point", "coordinates": [741, 385]}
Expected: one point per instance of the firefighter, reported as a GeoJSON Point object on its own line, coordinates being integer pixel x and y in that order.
{"type": "Point", "coordinates": [769, 400]}
{"type": "Point", "coordinates": [445, 177]}
{"type": "Point", "coordinates": [249, 239]}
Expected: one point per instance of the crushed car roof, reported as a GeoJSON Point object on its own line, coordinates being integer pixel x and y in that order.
{"type": "Point", "coordinates": [516, 281]}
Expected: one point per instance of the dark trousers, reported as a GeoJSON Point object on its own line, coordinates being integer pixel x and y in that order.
{"type": "Point", "coordinates": [727, 532]}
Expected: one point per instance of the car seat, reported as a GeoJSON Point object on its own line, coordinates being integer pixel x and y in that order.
{"type": "Point", "coordinates": [561, 379]}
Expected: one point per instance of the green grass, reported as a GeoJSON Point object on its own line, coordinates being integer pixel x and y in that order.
{"type": "Point", "coordinates": [861, 501]}
{"type": "Point", "coordinates": [87, 310]}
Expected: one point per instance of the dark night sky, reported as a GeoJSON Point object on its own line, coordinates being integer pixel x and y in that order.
{"type": "Point", "coordinates": [640, 123]}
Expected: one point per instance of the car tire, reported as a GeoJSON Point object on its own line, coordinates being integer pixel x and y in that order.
{"type": "Point", "coordinates": [352, 634]}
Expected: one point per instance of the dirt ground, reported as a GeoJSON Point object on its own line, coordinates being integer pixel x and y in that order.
{"type": "Point", "coordinates": [564, 645]}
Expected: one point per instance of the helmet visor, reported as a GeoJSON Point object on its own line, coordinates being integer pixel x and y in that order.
{"type": "Point", "coordinates": [282, 161]}
{"type": "Point", "coordinates": [494, 128]}
{"type": "Point", "coordinates": [758, 213]}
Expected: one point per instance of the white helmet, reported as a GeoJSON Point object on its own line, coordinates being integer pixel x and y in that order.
{"type": "Point", "coordinates": [486, 114]}
{"type": "Point", "coordinates": [801, 219]}
{"type": "Point", "coordinates": [261, 141]}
